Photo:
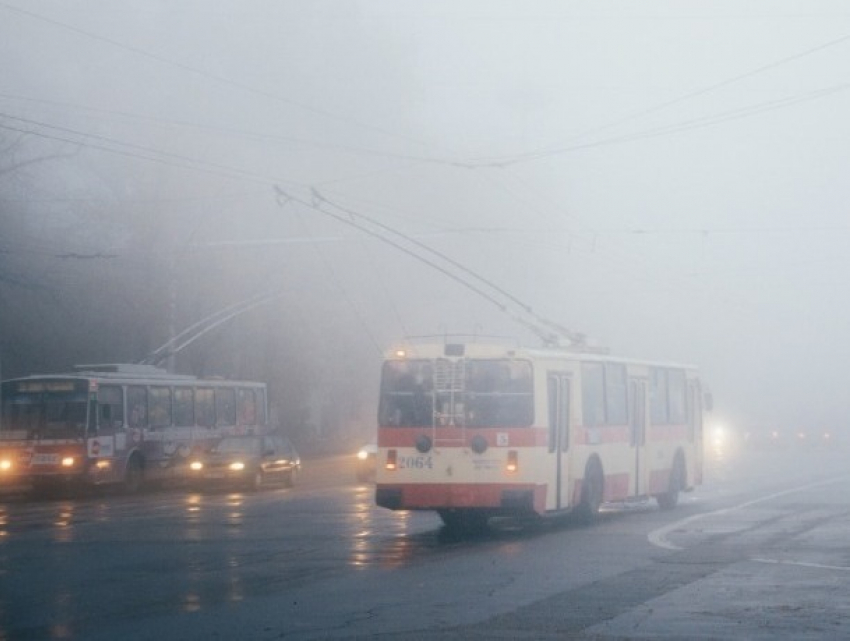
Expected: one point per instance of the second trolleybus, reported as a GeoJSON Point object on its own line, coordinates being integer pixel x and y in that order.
{"type": "Point", "coordinates": [118, 424]}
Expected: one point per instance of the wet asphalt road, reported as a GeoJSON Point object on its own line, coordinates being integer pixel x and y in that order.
{"type": "Point", "coordinates": [759, 551]}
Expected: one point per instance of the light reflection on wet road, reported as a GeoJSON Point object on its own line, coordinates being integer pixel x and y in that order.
{"type": "Point", "coordinates": [71, 564]}
{"type": "Point", "coordinates": [77, 567]}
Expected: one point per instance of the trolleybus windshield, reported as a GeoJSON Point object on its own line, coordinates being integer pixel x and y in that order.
{"type": "Point", "coordinates": [55, 410]}
{"type": "Point", "coordinates": [466, 392]}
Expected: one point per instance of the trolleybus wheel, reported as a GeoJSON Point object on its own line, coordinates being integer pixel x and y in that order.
{"type": "Point", "coordinates": [669, 499]}
{"type": "Point", "coordinates": [592, 490]}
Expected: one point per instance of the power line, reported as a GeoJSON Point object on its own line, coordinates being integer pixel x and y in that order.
{"type": "Point", "coordinates": [200, 72]}
{"type": "Point", "coordinates": [469, 279]}
{"type": "Point", "coordinates": [233, 131]}
{"type": "Point", "coordinates": [541, 153]}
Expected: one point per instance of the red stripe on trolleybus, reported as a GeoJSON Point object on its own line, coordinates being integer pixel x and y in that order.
{"type": "Point", "coordinates": [461, 437]}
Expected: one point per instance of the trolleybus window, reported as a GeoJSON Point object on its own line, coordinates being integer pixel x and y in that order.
{"type": "Point", "coordinates": [184, 406]}
{"type": "Point", "coordinates": [474, 392]}
{"type": "Point", "coordinates": [260, 397]}
{"type": "Point", "coordinates": [51, 409]}
{"type": "Point", "coordinates": [110, 402]}
{"type": "Point", "coordinates": [137, 406]}
{"type": "Point", "coordinates": [160, 406]}
{"type": "Point", "coordinates": [205, 407]}
{"type": "Point", "coordinates": [225, 406]}
{"type": "Point", "coordinates": [604, 394]}
{"type": "Point", "coordinates": [667, 401]}
{"type": "Point", "coordinates": [247, 407]}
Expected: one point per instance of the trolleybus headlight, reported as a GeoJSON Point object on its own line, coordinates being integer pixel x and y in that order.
{"type": "Point", "coordinates": [391, 459]}
{"type": "Point", "coordinates": [513, 461]}
{"type": "Point", "coordinates": [68, 461]}
{"type": "Point", "coordinates": [237, 466]}
{"type": "Point", "coordinates": [5, 465]}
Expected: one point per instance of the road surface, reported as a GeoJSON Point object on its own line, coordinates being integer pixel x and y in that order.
{"type": "Point", "coordinates": [759, 552]}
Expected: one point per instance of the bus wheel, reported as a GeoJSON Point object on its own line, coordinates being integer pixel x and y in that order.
{"type": "Point", "coordinates": [670, 498]}
{"type": "Point", "coordinates": [133, 475]}
{"type": "Point", "coordinates": [592, 490]}
{"type": "Point", "coordinates": [464, 521]}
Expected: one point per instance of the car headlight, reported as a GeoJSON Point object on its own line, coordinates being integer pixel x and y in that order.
{"type": "Point", "coordinates": [196, 466]}
{"type": "Point", "coordinates": [362, 455]}
{"type": "Point", "coordinates": [237, 466]}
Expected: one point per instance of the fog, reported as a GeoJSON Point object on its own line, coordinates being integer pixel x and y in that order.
{"type": "Point", "coordinates": [668, 178]}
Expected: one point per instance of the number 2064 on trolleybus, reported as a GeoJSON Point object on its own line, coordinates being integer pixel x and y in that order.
{"type": "Point", "coordinates": [121, 424]}
{"type": "Point", "coordinates": [475, 431]}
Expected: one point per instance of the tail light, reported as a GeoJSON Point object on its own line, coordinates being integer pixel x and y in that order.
{"type": "Point", "coordinates": [512, 465]}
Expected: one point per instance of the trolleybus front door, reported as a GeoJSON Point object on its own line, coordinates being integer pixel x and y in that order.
{"type": "Point", "coordinates": [559, 434]}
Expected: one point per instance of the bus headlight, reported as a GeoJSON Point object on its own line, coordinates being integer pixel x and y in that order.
{"type": "Point", "coordinates": [68, 461]}
{"type": "Point", "coordinates": [5, 465]}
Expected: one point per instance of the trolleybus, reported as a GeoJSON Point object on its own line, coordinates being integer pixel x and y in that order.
{"type": "Point", "coordinates": [476, 430]}
{"type": "Point", "coordinates": [122, 424]}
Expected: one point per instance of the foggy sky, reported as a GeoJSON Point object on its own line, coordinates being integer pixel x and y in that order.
{"type": "Point", "coordinates": [669, 178]}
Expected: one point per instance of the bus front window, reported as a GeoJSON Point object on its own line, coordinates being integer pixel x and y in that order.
{"type": "Point", "coordinates": [46, 414]}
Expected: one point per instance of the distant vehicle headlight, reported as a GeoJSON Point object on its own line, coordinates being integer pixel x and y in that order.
{"type": "Point", "coordinates": [196, 466]}
{"type": "Point", "coordinates": [719, 435]}
{"type": "Point", "coordinates": [237, 466]}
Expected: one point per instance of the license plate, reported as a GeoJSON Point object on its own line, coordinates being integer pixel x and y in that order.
{"type": "Point", "coordinates": [415, 463]}
{"type": "Point", "coordinates": [44, 459]}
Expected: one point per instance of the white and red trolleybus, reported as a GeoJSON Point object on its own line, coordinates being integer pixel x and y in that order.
{"type": "Point", "coordinates": [120, 424]}
{"type": "Point", "coordinates": [481, 430]}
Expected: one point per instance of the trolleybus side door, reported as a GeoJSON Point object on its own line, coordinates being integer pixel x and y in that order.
{"type": "Point", "coordinates": [558, 387]}
{"type": "Point", "coordinates": [637, 423]}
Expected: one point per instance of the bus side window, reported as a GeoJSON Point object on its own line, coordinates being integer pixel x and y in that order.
{"type": "Point", "coordinates": [160, 407]}
{"type": "Point", "coordinates": [137, 406]}
{"type": "Point", "coordinates": [225, 406]}
{"type": "Point", "coordinates": [247, 407]}
{"type": "Point", "coordinates": [260, 396]}
{"type": "Point", "coordinates": [184, 406]}
{"type": "Point", "coordinates": [205, 407]}
{"type": "Point", "coordinates": [110, 403]}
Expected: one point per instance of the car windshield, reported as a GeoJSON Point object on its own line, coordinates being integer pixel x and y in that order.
{"type": "Point", "coordinates": [239, 445]}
